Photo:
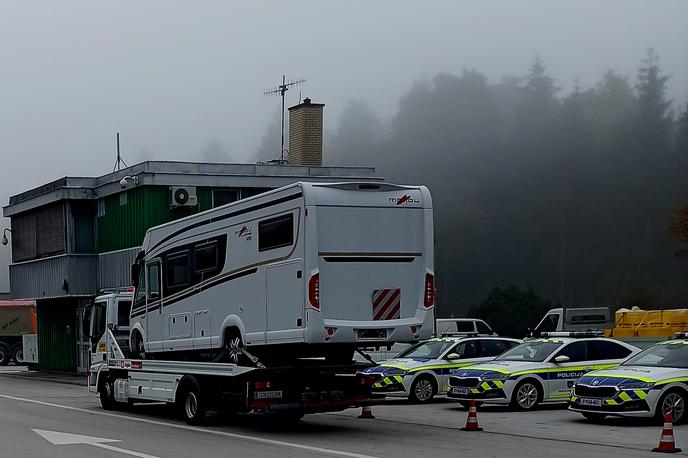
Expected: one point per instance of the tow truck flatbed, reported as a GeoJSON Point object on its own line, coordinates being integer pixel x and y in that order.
{"type": "Point", "coordinates": [203, 389]}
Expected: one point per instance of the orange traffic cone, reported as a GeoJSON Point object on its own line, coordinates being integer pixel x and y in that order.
{"type": "Point", "coordinates": [472, 419]}
{"type": "Point", "coordinates": [366, 412]}
{"type": "Point", "coordinates": [666, 441]}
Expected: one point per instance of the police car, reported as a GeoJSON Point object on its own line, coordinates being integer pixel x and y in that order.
{"type": "Point", "coordinates": [420, 372]}
{"type": "Point", "coordinates": [648, 384]}
{"type": "Point", "coordinates": [538, 371]}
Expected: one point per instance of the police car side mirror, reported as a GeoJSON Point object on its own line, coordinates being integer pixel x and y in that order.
{"type": "Point", "coordinates": [452, 356]}
{"type": "Point", "coordinates": [561, 359]}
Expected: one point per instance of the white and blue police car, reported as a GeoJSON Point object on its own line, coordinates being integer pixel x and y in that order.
{"type": "Point", "coordinates": [538, 371]}
{"type": "Point", "coordinates": [422, 371]}
{"type": "Point", "coordinates": [649, 384]}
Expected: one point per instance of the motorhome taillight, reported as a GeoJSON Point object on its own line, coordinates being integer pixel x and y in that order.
{"type": "Point", "coordinates": [314, 291]}
{"type": "Point", "coordinates": [429, 299]}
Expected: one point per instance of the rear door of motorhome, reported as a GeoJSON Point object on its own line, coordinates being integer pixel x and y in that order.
{"type": "Point", "coordinates": [374, 254]}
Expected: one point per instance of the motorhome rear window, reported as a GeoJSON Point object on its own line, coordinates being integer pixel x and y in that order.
{"type": "Point", "coordinates": [177, 269]}
{"type": "Point", "coordinates": [276, 232]}
{"type": "Point", "coordinates": [206, 257]}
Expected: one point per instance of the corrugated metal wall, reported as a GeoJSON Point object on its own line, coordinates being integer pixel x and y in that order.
{"type": "Point", "coordinates": [44, 278]}
{"type": "Point", "coordinates": [57, 335]}
{"type": "Point", "coordinates": [123, 225]}
{"type": "Point", "coordinates": [114, 269]}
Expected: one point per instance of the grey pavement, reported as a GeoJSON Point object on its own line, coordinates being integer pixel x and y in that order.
{"type": "Point", "coordinates": [399, 430]}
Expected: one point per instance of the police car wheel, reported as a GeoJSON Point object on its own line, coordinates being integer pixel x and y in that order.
{"type": "Point", "coordinates": [674, 401]}
{"type": "Point", "coordinates": [594, 417]}
{"type": "Point", "coordinates": [526, 395]}
{"type": "Point", "coordinates": [423, 389]}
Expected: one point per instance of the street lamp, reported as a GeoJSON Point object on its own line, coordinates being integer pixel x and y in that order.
{"type": "Point", "coordinates": [4, 235]}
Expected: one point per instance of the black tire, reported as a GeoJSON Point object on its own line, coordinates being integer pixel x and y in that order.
{"type": "Point", "coordinates": [679, 399]}
{"type": "Point", "coordinates": [4, 355]}
{"type": "Point", "coordinates": [18, 353]}
{"type": "Point", "coordinates": [192, 404]}
{"type": "Point", "coordinates": [527, 395]}
{"type": "Point", "coordinates": [137, 348]}
{"type": "Point", "coordinates": [593, 417]}
{"type": "Point", "coordinates": [107, 396]}
{"type": "Point", "coordinates": [423, 389]}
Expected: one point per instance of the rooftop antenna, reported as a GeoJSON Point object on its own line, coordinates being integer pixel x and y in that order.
{"type": "Point", "coordinates": [119, 161]}
{"type": "Point", "coordinates": [281, 90]}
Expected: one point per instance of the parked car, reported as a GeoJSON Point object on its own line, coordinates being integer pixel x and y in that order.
{"type": "Point", "coordinates": [422, 371]}
{"type": "Point", "coordinates": [538, 371]}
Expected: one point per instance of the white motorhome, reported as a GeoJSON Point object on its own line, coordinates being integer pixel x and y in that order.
{"type": "Point", "coordinates": [336, 266]}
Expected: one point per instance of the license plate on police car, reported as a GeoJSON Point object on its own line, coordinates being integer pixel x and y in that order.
{"type": "Point", "coordinates": [459, 390]}
{"type": "Point", "coordinates": [590, 402]}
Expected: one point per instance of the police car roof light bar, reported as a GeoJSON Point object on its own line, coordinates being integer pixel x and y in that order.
{"type": "Point", "coordinates": [573, 334]}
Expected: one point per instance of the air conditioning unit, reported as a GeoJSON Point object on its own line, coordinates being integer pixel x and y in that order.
{"type": "Point", "coordinates": [183, 196]}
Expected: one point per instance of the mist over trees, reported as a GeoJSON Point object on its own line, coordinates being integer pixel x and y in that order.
{"type": "Point", "coordinates": [571, 192]}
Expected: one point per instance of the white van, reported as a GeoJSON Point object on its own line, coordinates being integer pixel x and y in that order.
{"type": "Point", "coordinates": [338, 266]}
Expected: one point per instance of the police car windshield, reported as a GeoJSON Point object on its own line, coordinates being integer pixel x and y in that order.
{"type": "Point", "coordinates": [533, 351]}
{"type": "Point", "coordinates": [431, 349]}
{"type": "Point", "coordinates": [668, 354]}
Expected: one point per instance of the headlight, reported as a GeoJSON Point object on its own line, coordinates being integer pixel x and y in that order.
{"type": "Point", "coordinates": [637, 385]}
{"type": "Point", "coordinates": [496, 376]}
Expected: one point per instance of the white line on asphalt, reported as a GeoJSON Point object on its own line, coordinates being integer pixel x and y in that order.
{"type": "Point", "coordinates": [124, 451]}
{"type": "Point", "coordinates": [196, 429]}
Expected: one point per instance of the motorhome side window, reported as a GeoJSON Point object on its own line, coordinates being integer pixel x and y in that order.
{"type": "Point", "coordinates": [177, 270]}
{"type": "Point", "coordinates": [206, 257]}
{"type": "Point", "coordinates": [276, 232]}
{"type": "Point", "coordinates": [140, 298]}
{"type": "Point", "coordinates": [153, 281]}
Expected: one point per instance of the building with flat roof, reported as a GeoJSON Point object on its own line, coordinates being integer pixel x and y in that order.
{"type": "Point", "coordinates": [76, 235]}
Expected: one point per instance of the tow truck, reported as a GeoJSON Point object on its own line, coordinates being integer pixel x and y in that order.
{"type": "Point", "coordinates": [204, 390]}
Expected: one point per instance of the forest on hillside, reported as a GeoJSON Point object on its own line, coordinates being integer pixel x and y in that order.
{"type": "Point", "coordinates": [574, 194]}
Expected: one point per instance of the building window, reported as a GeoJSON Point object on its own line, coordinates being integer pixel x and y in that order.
{"type": "Point", "coordinates": [177, 266]}
{"type": "Point", "coordinates": [122, 198]}
{"type": "Point", "coordinates": [100, 208]}
{"type": "Point", "coordinates": [206, 257]}
{"type": "Point", "coordinates": [224, 196]}
{"type": "Point", "coordinates": [276, 232]}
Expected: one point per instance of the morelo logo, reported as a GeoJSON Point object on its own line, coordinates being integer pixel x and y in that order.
{"type": "Point", "coordinates": [404, 199]}
{"type": "Point", "coordinates": [245, 231]}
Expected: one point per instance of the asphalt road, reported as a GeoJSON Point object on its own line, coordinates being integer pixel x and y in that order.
{"type": "Point", "coordinates": [35, 412]}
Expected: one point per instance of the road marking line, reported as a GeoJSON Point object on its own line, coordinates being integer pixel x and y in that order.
{"type": "Point", "coordinates": [196, 429]}
{"type": "Point", "coordinates": [123, 451]}
{"type": "Point", "coordinates": [61, 438]}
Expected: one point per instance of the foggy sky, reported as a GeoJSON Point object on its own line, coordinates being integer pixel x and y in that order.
{"type": "Point", "coordinates": [173, 77]}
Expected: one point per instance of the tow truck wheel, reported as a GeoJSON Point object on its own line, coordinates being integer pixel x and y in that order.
{"type": "Point", "coordinates": [674, 401]}
{"type": "Point", "coordinates": [18, 353]}
{"type": "Point", "coordinates": [527, 395]}
{"type": "Point", "coordinates": [594, 417]}
{"type": "Point", "coordinates": [4, 355]}
{"type": "Point", "coordinates": [192, 404]}
{"type": "Point", "coordinates": [107, 396]}
{"type": "Point", "coordinates": [423, 389]}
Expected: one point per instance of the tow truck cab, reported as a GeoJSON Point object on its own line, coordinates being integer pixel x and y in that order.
{"type": "Point", "coordinates": [109, 310]}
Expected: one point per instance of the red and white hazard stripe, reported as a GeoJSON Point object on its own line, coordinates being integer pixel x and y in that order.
{"type": "Point", "coordinates": [387, 304]}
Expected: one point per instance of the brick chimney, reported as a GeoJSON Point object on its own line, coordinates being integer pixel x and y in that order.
{"type": "Point", "coordinates": [306, 133]}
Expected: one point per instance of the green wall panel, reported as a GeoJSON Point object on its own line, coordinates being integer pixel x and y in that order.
{"type": "Point", "coordinates": [56, 336]}
{"type": "Point", "coordinates": [125, 224]}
